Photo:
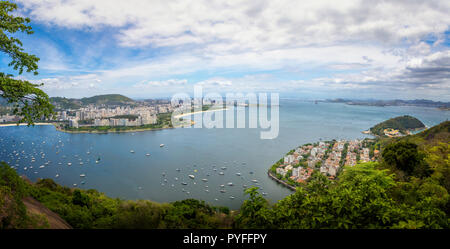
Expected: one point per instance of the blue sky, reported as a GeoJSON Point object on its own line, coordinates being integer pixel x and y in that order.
{"type": "Point", "coordinates": [304, 49]}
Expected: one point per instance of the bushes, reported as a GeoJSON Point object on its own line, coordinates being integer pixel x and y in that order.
{"type": "Point", "coordinates": [90, 209]}
{"type": "Point", "coordinates": [363, 197]}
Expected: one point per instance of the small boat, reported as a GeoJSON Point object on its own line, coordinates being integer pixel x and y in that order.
{"type": "Point", "coordinates": [264, 193]}
{"type": "Point", "coordinates": [232, 197]}
{"type": "Point", "coordinates": [238, 174]}
{"type": "Point", "coordinates": [251, 172]}
{"type": "Point", "coordinates": [139, 188]}
{"type": "Point", "coordinates": [161, 145]}
{"type": "Point", "coordinates": [148, 154]}
{"type": "Point", "coordinates": [206, 190]}
{"type": "Point", "coordinates": [83, 182]}
{"type": "Point", "coordinates": [223, 191]}
{"type": "Point", "coordinates": [255, 181]}
{"type": "Point", "coordinates": [131, 151]}
{"type": "Point", "coordinates": [57, 175]}
{"type": "Point", "coordinates": [178, 170]}
{"type": "Point", "coordinates": [82, 175]}
{"type": "Point", "coordinates": [25, 168]}
{"type": "Point", "coordinates": [230, 184]}
{"type": "Point", "coordinates": [192, 176]}
{"type": "Point", "coordinates": [223, 168]}
{"type": "Point", "coordinates": [81, 163]}
{"type": "Point", "coordinates": [97, 161]}
{"type": "Point", "coordinates": [183, 183]}
{"type": "Point", "coordinates": [42, 166]}
{"type": "Point", "coordinates": [222, 186]}
{"type": "Point", "coordinates": [68, 164]}
{"type": "Point", "coordinates": [244, 186]}
{"type": "Point", "coordinates": [204, 179]}
{"type": "Point", "coordinates": [221, 173]}
{"type": "Point", "coordinates": [164, 174]}
{"type": "Point", "coordinates": [75, 184]}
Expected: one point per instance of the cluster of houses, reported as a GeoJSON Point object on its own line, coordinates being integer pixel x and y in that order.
{"type": "Point", "coordinates": [326, 157]}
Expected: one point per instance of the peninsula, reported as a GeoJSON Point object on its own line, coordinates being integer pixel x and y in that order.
{"type": "Point", "coordinates": [396, 127]}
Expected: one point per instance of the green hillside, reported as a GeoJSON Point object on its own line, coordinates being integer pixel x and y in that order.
{"type": "Point", "coordinates": [401, 123]}
{"type": "Point", "coordinates": [62, 103]}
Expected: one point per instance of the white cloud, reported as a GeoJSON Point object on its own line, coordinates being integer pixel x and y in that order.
{"type": "Point", "coordinates": [165, 83]}
{"type": "Point", "coordinates": [251, 25]}
{"type": "Point", "coordinates": [380, 39]}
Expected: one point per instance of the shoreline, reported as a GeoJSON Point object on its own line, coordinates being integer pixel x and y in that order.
{"type": "Point", "coordinates": [112, 131]}
{"type": "Point", "coordinates": [22, 124]}
{"type": "Point", "coordinates": [285, 184]}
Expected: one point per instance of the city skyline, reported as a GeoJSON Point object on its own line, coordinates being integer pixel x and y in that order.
{"type": "Point", "coordinates": [358, 49]}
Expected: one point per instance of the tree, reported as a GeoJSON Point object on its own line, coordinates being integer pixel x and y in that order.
{"type": "Point", "coordinates": [406, 157]}
{"type": "Point", "coordinates": [30, 102]}
{"type": "Point", "coordinates": [254, 212]}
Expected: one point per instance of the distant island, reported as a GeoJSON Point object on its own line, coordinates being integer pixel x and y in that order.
{"type": "Point", "coordinates": [396, 102]}
{"type": "Point", "coordinates": [395, 127]}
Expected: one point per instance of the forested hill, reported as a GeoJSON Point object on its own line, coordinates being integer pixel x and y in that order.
{"type": "Point", "coordinates": [107, 99]}
{"type": "Point", "coordinates": [401, 123]}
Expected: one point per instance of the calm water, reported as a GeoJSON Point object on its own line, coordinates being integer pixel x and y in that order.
{"type": "Point", "coordinates": [194, 151]}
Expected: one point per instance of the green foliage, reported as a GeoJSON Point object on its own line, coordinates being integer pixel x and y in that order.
{"type": "Point", "coordinates": [107, 99]}
{"type": "Point", "coordinates": [30, 102]}
{"type": "Point", "coordinates": [62, 103]}
{"type": "Point", "coordinates": [401, 123]}
{"type": "Point", "coordinates": [363, 197]}
{"type": "Point", "coordinates": [254, 212]}
{"type": "Point", "coordinates": [406, 157]}
{"type": "Point", "coordinates": [86, 209]}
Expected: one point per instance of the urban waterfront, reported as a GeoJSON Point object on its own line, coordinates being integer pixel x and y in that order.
{"type": "Point", "coordinates": [125, 170]}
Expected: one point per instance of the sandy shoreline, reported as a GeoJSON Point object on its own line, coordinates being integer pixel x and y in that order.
{"type": "Point", "coordinates": [6, 125]}
{"type": "Point", "coordinates": [192, 113]}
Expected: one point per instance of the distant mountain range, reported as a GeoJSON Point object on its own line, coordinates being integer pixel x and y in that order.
{"type": "Point", "coordinates": [396, 102]}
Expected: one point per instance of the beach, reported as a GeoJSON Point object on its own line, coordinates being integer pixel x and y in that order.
{"type": "Point", "coordinates": [15, 124]}
{"type": "Point", "coordinates": [192, 113]}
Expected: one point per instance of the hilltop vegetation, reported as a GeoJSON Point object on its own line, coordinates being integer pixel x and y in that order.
{"type": "Point", "coordinates": [62, 103]}
{"type": "Point", "coordinates": [91, 209]}
{"type": "Point", "coordinates": [407, 188]}
{"type": "Point", "coordinates": [402, 123]}
{"type": "Point", "coordinates": [107, 99]}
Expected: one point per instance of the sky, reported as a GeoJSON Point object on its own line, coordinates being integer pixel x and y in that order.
{"type": "Point", "coordinates": [299, 49]}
